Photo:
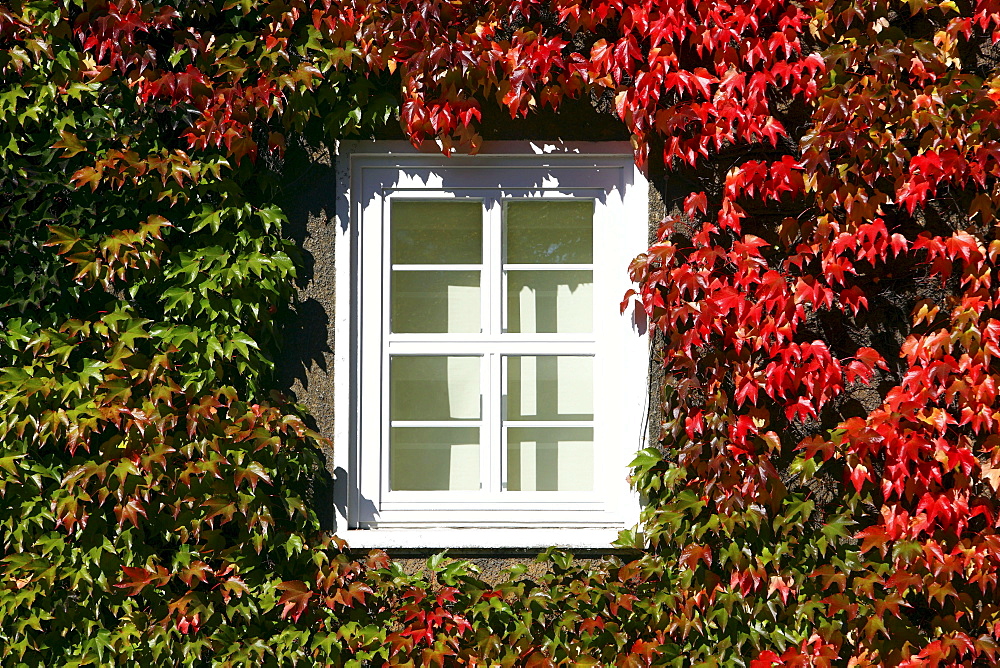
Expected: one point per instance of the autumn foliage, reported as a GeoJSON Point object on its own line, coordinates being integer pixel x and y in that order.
{"type": "Point", "coordinates": [822, 291]}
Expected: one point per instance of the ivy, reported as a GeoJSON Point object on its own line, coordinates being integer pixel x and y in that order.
{"type": "Point", "coordinates": [824, 489]}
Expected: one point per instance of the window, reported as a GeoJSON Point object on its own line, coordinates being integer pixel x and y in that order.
{"type": "Point", "coordinates": [489, 383]}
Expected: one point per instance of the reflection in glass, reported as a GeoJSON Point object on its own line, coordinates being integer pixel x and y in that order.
{"type": "Point", "coordinates": [434, 458]}
{"type": "Point", "coordinates": [437, 232]}
{"type": "Point", "coordinates": [549, 387]}
{"type": "Point", "coordinates": [550, 459]}
{"type": "Point", "coordinates": [545, 302]}
{"type": "Point", "coordinates": [435, 302]}
{"type": "Point", "coordinates": [434, 387]}
{"type": "Point", "coordinates": [547, 232]}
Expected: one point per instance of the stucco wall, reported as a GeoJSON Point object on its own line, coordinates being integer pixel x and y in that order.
{"type": "Point", "coordinates": [305, 367]}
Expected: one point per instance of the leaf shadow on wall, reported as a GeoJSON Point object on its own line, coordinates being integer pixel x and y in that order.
{"type": "Point", "coordinates": [304, 364]}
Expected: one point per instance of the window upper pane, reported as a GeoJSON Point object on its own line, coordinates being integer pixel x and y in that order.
{"type": "Point", "coordinates": [436, 232]}
{"type": "Point", "coordinates": [425, 302]}
{"type": "Point", "coordinates": [550, 232]}
{"type": "Point", "coordinates": [434, 387]}
{"type": "Point", "coordinates": [560, 301]}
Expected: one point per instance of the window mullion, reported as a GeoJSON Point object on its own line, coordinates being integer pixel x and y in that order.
{"type": "Point", "coordinates": [493, 266]}
{"type": "Point", "coordinates": [492, 426]}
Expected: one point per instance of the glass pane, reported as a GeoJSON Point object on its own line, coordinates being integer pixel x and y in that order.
{"type": "Point", "coordinates": [434, 458]}
{"type": "Point", "coordinates": [435, 302]}
{"type": "Point", "coordinates": [550, 387]}
{"type": "Point", "coordinates": [434, 387]}
{"type": "Point", "coordinates": [550, 232]}
{"type": "Point", "coordinates": [546, 302]}
{"type": "Point", "coordinates": [550, 459]}
{"type": "Point", "coordinates": [437, 232]}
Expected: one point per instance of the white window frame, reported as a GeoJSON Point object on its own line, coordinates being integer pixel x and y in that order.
{"type": "Point", "coordinates": [372, 173]}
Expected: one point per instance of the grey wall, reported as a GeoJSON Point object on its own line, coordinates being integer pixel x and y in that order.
{"type": "Point", "coordinates": [305, 367]}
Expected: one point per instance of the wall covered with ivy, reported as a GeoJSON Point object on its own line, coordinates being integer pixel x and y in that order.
{"type": "Point", "coordinates": [823, 291]}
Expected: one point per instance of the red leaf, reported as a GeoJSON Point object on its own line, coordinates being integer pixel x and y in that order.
{"type": "Point", "coordinates": [767, 659]}
{"type": "Point", "coordinates": [874, 536]}
{"type": "Point", "coordinates": [870, 358]}
{"type": "Point", "coordinates": [295, 598]}
{"type": "Point", "coordinates": [695, 202]}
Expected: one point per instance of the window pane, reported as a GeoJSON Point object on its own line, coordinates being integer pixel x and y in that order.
{"type": "Point", "coordinates": [550, 232]}
{"type": "Point", "coordinates": [550, 459]}
{"type": "Point", "coordinates": [434, 387]}
{"type": "Point", "coordinates": [437, 232]}
{"type": "Point", "coordinates": [547, 302]}
{"type": "Point", "coordinates": [549, 387]}
{"type": "Point", "coordinates": [434, 458]}
{"type": "Point", "coordinates": [435, 302]}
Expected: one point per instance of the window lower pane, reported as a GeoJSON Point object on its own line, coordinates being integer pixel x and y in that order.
{"type": "Point", "coordinates": [435, 302]}
{"type": "Point", "coordinates": [559, 459]}
{"type": "Point", "coordinates": [434, 458]}
{"type": "Point", "coordinates": [546, 302]}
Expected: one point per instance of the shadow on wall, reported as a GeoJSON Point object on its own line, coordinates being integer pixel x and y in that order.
{"type": "Point", "coordinates": [304, 365]}
{"type": "Point", "coordinates": [309, 201]}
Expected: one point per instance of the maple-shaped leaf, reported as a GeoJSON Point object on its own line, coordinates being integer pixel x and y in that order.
{"type": "Point", "coordinates": [71, 143]}
{"type": "Point", "coordinates": [135, 579]}
{"type": "Point", "coordinates": [870, 358]}
{"type": "Point", "coordinates": [854, 298]}
{"type": "Point", "coordinates": [294, 598]}
{"type": "Point", "coordinates": [130, 512]}
{"type": "Point", "coordinates": [766, 659]}
{"type": "Point", "coordinates": [88, 176]}
{"type": "Point", "coordinates": [694, 203]}
{"type": "Point", "coordinates": [873, 536]}
{"type": "Point", "coordinates": [196, 571]}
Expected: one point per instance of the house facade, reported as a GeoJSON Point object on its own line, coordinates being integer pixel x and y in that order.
{"type": "Point", "coordinates": [459, 337]}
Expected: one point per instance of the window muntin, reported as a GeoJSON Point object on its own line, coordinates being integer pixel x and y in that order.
{"type": "Point", "coordinates": [538, 391]}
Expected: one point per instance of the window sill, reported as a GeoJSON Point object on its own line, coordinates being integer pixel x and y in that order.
{"type": "Point", "coordinates": [479, 538]}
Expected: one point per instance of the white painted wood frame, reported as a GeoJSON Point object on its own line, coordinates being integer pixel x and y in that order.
{"type": "Point", "coordinates": [371, 175]}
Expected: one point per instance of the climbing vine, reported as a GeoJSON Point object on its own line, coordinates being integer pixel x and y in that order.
{"type": "Point", "coordinates": [822, 291]}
